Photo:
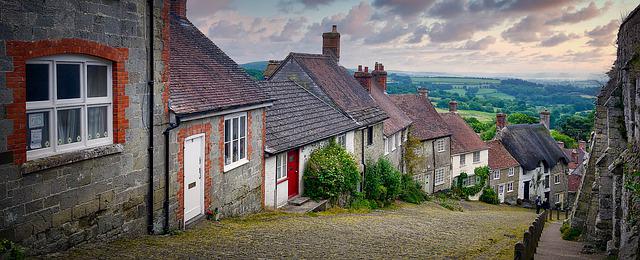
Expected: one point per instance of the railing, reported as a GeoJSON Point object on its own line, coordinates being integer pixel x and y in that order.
{"type": "Point", "coordinates": [527, 248]}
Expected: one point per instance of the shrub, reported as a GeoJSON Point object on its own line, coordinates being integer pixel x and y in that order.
{"type": "Point", "coordinates": [383, 183]}
{"type": "Point", "coordinates": [10, 250]}
{"type": "Point", "coordinates": [569, 233]}
{"type": "Point", "coordinates": [359, 202]}
{"type": "Point", "coordinates": [412, 191]}
{"type": "Point", "coordinates": [489, 196]}
{"type": "Point", "coordinates": [330, 172]}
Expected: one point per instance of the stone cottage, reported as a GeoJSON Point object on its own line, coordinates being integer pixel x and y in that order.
{"type": "Point", "coordinates": [324, 77]}
{"type": "Point", "coordinates": [607, 207]}
{"type": "Point", "coordinates": [468, 151]}
{"type": "Point", "coordinates": [217, 139]}
{"type": "Point", "coordinates": [505, 173]}
{"type": "Point", "coordinates": [298, 123]}
{"type": "Point", "coordinates": [82, 103]}
{"type": "Point", "coordinates": [435, 139]}
{"type": "Point", "coordinates": [396, 127]}
{"type": "Point", "coordinates": [544, 164]}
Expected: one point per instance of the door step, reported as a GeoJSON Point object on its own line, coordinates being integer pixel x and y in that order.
{"type": "Point", "coordinates": [307, 206]}
{"type": "Point", "coordinates": [297, 201]}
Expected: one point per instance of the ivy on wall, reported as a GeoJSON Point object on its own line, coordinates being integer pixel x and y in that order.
{"type": "Point", "coordinates": [466, 191]}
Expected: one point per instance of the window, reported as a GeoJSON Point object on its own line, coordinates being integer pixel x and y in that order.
{"type": "Point", "coordinates": [512, 171]}
{"type": "Point", "coordinates": [496, 174]}
{"type": "Point", "coordinates": [393, 143]}
{"type": "Point", "coordinates": [399, 138]}
{"type": "Point", "coordinates": [556, 179]}
{"type": "Point", "coordinates": [439, 179]}
{"type": "Point", "coordinates": [501, 189]}
{"type": "Point", "coordinates": [281, 166]}
{"type": "Point", "coordinates": [510, 187]}
{"type": "Point", "coordinates": [476, 157]}
{"type": "Point", "coordinates": [69, 104]}
{"type": "Point", "coordinates": [440, 145]}
{"type": "Point", "coordinates": [386, 146]}
{"type": "Point", "coordinates": [546, 170]}
{"type": "Point", "coordinates": [342, 140]}
{"type": "Point", "coordinates": [235, 141]}
{"type": "Point", "coordinates": [404, 136]}
{"type": "Point", "coordinates": [546, 182]}
{"type": "Point", "coordinates": [559, 197]}
{"type": "Point", "coordinates": [370, 135]}
{"type": "Point", "coordinates": [463, 160]}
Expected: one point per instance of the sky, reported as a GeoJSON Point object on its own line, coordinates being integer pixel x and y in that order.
{"type": "Point", "coordinates": [564, 39]}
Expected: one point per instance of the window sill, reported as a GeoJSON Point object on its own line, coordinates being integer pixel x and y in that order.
{"type": "Point", "coordinates": [278, 182]}
{"type": "Point", "coordinates": [234, 165]}
{"type": "Point", "coordinates": [58, 160]}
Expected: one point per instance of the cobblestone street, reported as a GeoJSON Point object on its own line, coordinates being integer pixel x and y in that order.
{"type": "Point", "coordinates": [406, 231]}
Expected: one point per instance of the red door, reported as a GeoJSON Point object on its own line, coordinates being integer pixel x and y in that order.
{"type": "Point", "coordinates": [292, 173]}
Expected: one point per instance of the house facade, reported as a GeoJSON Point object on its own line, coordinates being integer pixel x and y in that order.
{"type": "Point", "coordinates": [434, 173]}
{"type": "Point", "coordinates": [505, 172]}
{"type": "Point", "coordinates": [83, 98]}
{"type": "Point", "coordinates": [297, 123]}
{"type": "Point", "coordinates": [468, 151]}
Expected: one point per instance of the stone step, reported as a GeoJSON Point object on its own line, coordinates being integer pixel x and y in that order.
{"type": "Point", "coordinates": [297, 201]}
{"type": "Point", "coordinates": [308, 206]}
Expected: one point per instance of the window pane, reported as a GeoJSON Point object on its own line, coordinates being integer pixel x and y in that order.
{"type": "Point", "coordinates": [227, 151]}
{"type": "Point", "coordinates": [37, 82]}
{"type": "Point", "coordinates": [227, 130]}
{"type": "Point", "coordinates": [68, 80]}
{"type": "Point", "coordinates": [96, 81]}
{"type": "Point", "coordinates": [97, 122]}
{"type": "Point", "coordinates": [243, 127]}
{"type": "Point", "coordinates": [69, 126]}
{"type": "Point", "coordinates": [38, 130]}
{"type": "Point", "coordinates": [242, 155]}
{"type": "Point", "coordinates": [235, 128]}
{"type": "Point", "coordinates": [235, 151]}
{"type": "Point", "coordinates": [278, 169]}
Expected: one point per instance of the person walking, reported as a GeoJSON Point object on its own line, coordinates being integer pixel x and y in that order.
{"type": "Point", "coordinates": [538, 205]}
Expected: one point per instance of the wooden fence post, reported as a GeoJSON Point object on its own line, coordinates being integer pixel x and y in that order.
{"type": "Point", "coordinates": [526, 240]}
{"type": "Point", "coordinates": [558, 214]}
{"type": "Point", "coordinates": [519, 251]}
{"type": "Point", "coordinates": [534, 239]}
{"type": "Point", "coordinates": [566, 213]}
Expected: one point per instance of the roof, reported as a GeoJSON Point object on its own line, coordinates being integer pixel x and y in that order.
{"type": "Point", "coordinates": [397, 119]}
{"type": "Point", "coordinates": [577, 160]}
{"type": "Point", "coordinates": [271, 68]}
{"type": "Point", "coordinates": [463, 138]}
{"type": "Point", "coordinates": [575, 179]}
{"type": "Point", "coordinates": [298, 117]}
{"type": "Point", "coordinates": [531, 144]}
{"type": "Point", "coordinates": [499, 157]}
{"type": "Point", "coordinates": [427, 123]}
{"type": "Point", "coordinates": [335, 83]}
{"type": "Point", "coordinates": [202, 77]}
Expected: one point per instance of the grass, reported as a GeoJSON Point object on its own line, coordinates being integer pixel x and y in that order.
{"type": "Point", "coordinates": [492, 92]}
{"type": "Point", "coordinates": [462, 92]}
{"type": "Point", "coordinates": [480, 115]}
{"type": "Point", "coordinates": [454, 80]}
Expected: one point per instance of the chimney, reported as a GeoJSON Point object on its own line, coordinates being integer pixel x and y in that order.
{"type": "Point", "coordinates": [560, 144]}
{"type": "Point", "coordinates": [331, 43]}
{"type": "Point", "coordinates": [364, 77]}
{"type": "Point", "coordinates": [423, 92]}
{"type": "Point", "coordinates": [545, 118]}
{"type": "Point", "coordinates": [179, 8]}
{"type": "Point", "coordinates": [582, 145]}
{"type": "Point", "coordinates": [501, 121]}
{"type": "Point", "coordinates": [380, 76]}
{"type": "Point", "coordinates": [453, 106]}
{"type": "Point", "coordinates": [574, 156]}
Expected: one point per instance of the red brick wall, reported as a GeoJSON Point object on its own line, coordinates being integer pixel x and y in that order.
{"type": "Point", "coordinates": [182, 135]}
{"type": "Point", "coordinates": [21, 51]}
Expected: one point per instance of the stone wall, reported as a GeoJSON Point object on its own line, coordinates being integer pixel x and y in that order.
{"type": "Point", "coordinates": [91, 195]}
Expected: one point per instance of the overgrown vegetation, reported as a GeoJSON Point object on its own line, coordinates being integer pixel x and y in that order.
{"type": "Point", "coordinates": [448, 200]}
{"type": "Point", "coordinates": [383, 183]}
{"type": "Point", "coordinates": [412, 191]}
{"type": "Point", "coordinates": [489, 196]}
{"type": "Point", "coordinates": [463, 191]}
{"type": "Point", "coordinates": [569, 233]}
{"type": "Point", "coordinates": [10, 250]}
{"type": "Point", "coordinates": [413, 158]}
{"type": "Point", "coordinates": [330, 173]}
{"type": "Point", "coordinates": [568, 141]}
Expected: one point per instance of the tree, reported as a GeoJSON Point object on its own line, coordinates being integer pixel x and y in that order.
{"type": "Point", "coordinates": [567, 140]}
{"type": "Point", "coordinates": [521, 118]}
{"type": "Point", "coordinates": [488, 134]}
{"type": "Point", "coordinates": [576, 126]}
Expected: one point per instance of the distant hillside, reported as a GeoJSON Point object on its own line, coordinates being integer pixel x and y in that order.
{"type": "Point", "coordinates": [256, 65]}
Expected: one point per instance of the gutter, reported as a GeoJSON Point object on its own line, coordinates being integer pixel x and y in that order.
{"type": "Point", "coordinates": [150, 148]}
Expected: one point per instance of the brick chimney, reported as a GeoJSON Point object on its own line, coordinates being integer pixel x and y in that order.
{"type": "Point", "coordinates": [574, 156]}
{"type": "Point", "coordinates": [364, 77]}
{"type": "Point", "coordinates": [331, 43]}
{"type": "Point", "coordinates": [560, 144]}
{"type": "Point", "coordinates": [582, 145]}
{"type": "Point", "coordinates": [501, 121]}
{"type": "Point", "coordinates": [380, 76]}
{"type": "Point", "coordinates": [453, 106]}
{"type": "Point", "coordinates": [545, 118]}
{"type": "Point", "coordinates": [423, 92]}
{"type": "Point", "coordinates": [179, 7]}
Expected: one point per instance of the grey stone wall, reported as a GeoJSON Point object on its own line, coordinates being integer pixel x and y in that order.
{"type": "Point", "coordinates": [397, 157]}
{"type": "Point", "coordinates": [560, 169]}
{"type": "Point", "coordinates": [434, 160]}
{"type": "Point", "coordinates": [96, 199]}
{"type": "Point", "coordinates": [509, 197]}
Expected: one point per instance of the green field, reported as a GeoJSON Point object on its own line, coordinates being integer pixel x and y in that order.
{"type": "Point", "coordinates": [481, 116]}
{"type": "Point", "coordinates": [491, 92]}
{"type": "Point", "coordinates": [454, 81]}
{"type": "Point", "coordinates": [460, 91]}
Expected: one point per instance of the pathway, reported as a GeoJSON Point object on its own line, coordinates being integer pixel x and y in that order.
{"type": "Point", "coordinates": [552, 246]}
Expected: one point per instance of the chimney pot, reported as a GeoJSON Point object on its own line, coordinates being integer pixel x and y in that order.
{"type": "Point", "coordinates": [561, 144]}
{"type": "Point", "coordinates": [334, 28]}
{"type": "Point", "coordinates": [501, 121]}
{"type": "Point", "coordinates": [331, 43]}
{"type": "Point", "coordinates": [453, 106]}
{"type": "Point", "coordinates": [359, 67]}
{"type": "Point", "coordinates": [582, 145]}
{"type": "Point", "coordinates": [366, 69]}
{"type": "Point", "coordinates": [545, 118]}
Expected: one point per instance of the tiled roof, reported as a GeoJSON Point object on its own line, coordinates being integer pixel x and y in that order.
{"type": "Point", "coordinates": [575, 179]}
{"type": "Point", "coordinates": [531, 144]}
{"type": "Point", "coordinates": [271, 68]}
{"type": "Point", "coordinates": [202, 77]}
{"type": "Point", "coordinates": [463, 138]}
{"type": "Point", "coordinates": [338, 85]}
{"type": "Point", "coordinates": [574, 161]}
{"type": "Point", "coordinates": [427, 123]}
{"type": "Point", "coordinates": [397, 119]}
{"type": "Point", "coordinates": [298, 117]}
{"type": "Point", "coordinates": [499, 157]}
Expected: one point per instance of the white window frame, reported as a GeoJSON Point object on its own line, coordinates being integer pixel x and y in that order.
{"type": "Point", "coordinates": [393, 143]}
{"type": "Point", "coordinates": [463, 160]}
{"type": "Point", "coordinates": [341, 139]}
{"type": "Point", "coordinates": [500, 189]}
{"type": "Point", "coordinates": [496, 174]}
{"type": "Point", "coordinates": [509, 187]}
{"type": "Point", "coordinates": [386, 146]}
{"type": "Point", "coordinates": [53, 105]}
{"type": "Point", "coordinates": [399, 138]}
{"type": "Point", "coordinates": [439, 176]}
{"type": "Point", "coordinates": [280, 158]}
{"type": "Point", "coordinates": [512, 171]}
{"type": "Point", "coordinates": [474, 157]}
{"type": "Point", "coordinates": [440, 145]}
{"type": "Point", "coordinates": [556, 179]}
{"type": "Point", "coordinates": [241, 161]}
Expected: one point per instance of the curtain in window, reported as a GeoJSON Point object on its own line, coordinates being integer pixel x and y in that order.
{"type": "Point", "coordinates": [97, 122]}
{"type": "Point", "coordinates": [69, 126]}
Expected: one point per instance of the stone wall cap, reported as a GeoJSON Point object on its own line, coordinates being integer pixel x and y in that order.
{"type": "Point", "coordinates": [69, 158]}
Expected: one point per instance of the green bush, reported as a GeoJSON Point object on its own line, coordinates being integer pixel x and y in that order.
{"type": "Point", "coordinates": [412, 191]}
{"type": "Point", "coordinates": [569, 233]}
{"type": "Point", "coordinates": [359, 202]}
{"type": "Point", "coordinates": [383, 183]}
{"type": "Point", "coordinates": [330, 172]}
{"type": "Point", "coordinates": [489, 196]}
{"type": "Point", "coordinates": [10, 250]}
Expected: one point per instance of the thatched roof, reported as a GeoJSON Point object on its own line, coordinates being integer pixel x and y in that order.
{"type": "Point", "coordinates": [531, 144]}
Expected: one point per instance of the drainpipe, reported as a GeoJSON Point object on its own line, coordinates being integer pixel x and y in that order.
{"type": "Point", "coordinates": [151, 105]}
{"type": "Point", "coordinates": [167, 133]}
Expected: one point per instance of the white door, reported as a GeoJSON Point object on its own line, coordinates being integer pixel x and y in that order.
{"type": "Point", "coordinates": [501, 193]}
{"type": "Point", "coordinates": [193, 176]}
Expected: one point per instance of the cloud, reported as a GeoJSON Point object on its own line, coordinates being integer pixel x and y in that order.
{"type": "Point", "coordinates": [526, 30]}
{"type": "Point", "coordinates": [603, 35]}
{"type": "Point", "coordinates": [404, 8]}
{"type": "Point", "coordinates": [557, 39]}
{"type": "Point", "coordinates": [481, 44]}
{"type": "Point", "coordinates": [589, 12]}
{"type": "Point", "coordinates": [518, 6]}
{"type": "Point", "coordinates": [287, 5]}
{"type": "Point", "coordinates": [447, 9]}
{"type": "Point", "coordinates": [291, 30]}
{"type": "Point", "coordinates": [200, 9]}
